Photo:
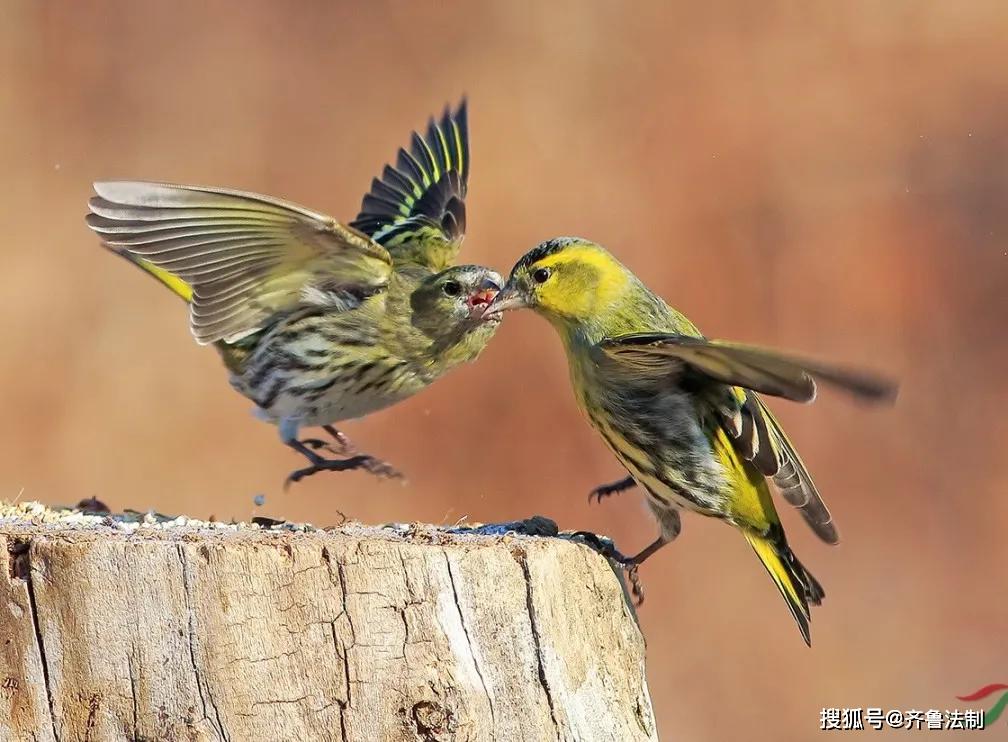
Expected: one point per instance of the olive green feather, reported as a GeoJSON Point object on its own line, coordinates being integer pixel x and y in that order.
{"type": "Point", "coordinates": [417, 208]}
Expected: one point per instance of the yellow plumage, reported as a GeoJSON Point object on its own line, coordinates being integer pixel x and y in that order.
{"type": "Point", "coordinates": [175, 284]}
{"type": "Point", "coordinates": [681, 412]}
{"type": "Point", "coordinates": [784, 579]}
{"type": "Point", "coordinates": [319, 321]}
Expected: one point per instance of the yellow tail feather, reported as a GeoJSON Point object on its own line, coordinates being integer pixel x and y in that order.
{"type": "Point", "coordinates": [174, 283]}
{"type": "Point", "coordinates": [781, 566]}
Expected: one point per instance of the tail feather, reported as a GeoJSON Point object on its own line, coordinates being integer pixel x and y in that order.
{"type": "Point", "coordinates": [814, 592]}
{"type": "Point", "coordinates": [796, 584]}
{"type": "Point", "coordinates": [175, 284]}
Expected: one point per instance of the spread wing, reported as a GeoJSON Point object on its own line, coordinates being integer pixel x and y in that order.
{"type": "Point", "coordinates": [243, 258]}
{"type": "Point", "coordinates": [417, 208]}
{"type": "Point", "coordinates": [747, 366]}
{"type": "Point", "coordinates": [747, 370]}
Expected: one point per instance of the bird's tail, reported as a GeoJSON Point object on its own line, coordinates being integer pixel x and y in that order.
{"type": "Point", "coordinates": [175, 284]}
{"type": "Point", "coordinates": [796, 584]}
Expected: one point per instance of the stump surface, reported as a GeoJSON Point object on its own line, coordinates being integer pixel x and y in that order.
{"type": "Point", "coordinates": [193, 631]}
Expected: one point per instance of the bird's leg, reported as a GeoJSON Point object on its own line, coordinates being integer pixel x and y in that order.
{"type": "Point", "coordinates": [607, 549]}
{"type": "Point", "coordinates": [631, 565]}
{"type": "Point", "coordinates": [612, 488]}
{"type": "Point", "coordinates": [316, 444]}
{"type": "Point", "coordinates": [320, 463]}
{"type": "Point", "coordinates": [671, 525]}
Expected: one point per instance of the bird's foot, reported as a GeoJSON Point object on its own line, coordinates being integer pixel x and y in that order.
{"type": "Point", "coordinates": [319, 463]}
{"type": "Point", "coordinates": [317, 444]}
{"type": "Point", "coordinates": [636, 586]}
{"type": "Point", "coordinates": [630, 565]}
{"type": "Point", "coordinates": [606, 490]}
{"type": "Point", "coordinates": [341, 445]}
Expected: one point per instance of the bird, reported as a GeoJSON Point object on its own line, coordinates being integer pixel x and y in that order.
{"type": "Point", "coordinates": [317, 321]}
{"type": "Point", "coordinates": [683, 413]}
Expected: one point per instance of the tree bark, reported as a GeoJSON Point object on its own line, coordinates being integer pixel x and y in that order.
{"type": "Point", "coordinates": [192, 631]}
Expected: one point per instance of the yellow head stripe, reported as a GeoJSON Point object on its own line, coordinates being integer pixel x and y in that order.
{"type": "Point", "coordinates": [585, 254]}
{"type": "Point", "coordinates": [609, 282]}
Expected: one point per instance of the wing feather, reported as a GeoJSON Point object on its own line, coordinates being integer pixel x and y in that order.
{"type": "Point", "coordinates": [759, 369]}
{"type": "Point", "coordinates": [246, 257]}
{"type": "Point", "coordinates": [417, 208]}
{"type": "Point", "coordinates": [756, 433]}
{"type": "Point", "coordinates": [791, 477]}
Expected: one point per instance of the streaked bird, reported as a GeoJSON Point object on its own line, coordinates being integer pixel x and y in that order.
{"type": "Point", "coordinates": [318, 322]}
{"type": "Point", "coordinates": [682, 413]}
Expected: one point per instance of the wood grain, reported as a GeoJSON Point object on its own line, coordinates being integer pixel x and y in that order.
{"type": "Point", "coordinates": [188, 633]}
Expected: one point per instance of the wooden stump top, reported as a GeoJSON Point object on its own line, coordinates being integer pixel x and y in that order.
{"type": "Point", "coordinates": [142, 628]}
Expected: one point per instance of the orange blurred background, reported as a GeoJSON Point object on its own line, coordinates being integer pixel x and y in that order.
{"type": "Point", "coordinates": [825, 177]}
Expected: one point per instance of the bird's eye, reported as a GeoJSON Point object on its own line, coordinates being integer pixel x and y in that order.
{"type": "Point", "coordinates": [452, 288]}
{"type": "Point", "coordinates": [541, 275]}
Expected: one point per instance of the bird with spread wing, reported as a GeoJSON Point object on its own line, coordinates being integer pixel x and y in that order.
{"type": "Point", "coordinates": [683, 413]}
{"type": "Point", "coordinates": [316, 321]}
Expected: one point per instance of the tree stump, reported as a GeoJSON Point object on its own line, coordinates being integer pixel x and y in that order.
{"type": "Point", "coordinates": [146, 629]}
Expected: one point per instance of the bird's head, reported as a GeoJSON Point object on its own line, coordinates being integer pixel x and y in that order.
{"type": "Point", "coordinates": [456, 299]}
{"type": "Point", "coordinates": [568, 280]}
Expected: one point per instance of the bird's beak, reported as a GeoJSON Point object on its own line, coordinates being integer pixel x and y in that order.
{"type": "Point", "coordinates": [479, 301]}
{"type": "Point", "coordinates": [508, 298]}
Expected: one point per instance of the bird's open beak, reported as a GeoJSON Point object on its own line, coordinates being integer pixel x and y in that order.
{"type": "Point", "coordinates": [508, 298]}
{"type": "Point", "coordinates": [480, 301]}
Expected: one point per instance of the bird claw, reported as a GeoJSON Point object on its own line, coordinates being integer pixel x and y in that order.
{"type": "Point", "coordinates": [317, 444]}
{"type": "Point", "coordinates": [381, 469]}
{"type": "Point", "coordinates": [341, 445]}
{"type": "Point", "coordinates": [367, 463]}
{"type": "Point", "coordinates": [636, 586]}
{"type": "Point", "coordinates": [630, 565]}
{"type": "Point", "coordinates": [602, 544]}
{"type": "Point", "coordinates": [607, 490]}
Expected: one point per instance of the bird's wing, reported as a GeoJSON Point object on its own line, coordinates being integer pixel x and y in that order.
{"type": "Point", "coordinates": [759, 369]}
{"type": "Point", "coordinates": [244, 257]}
{"type": "Point", "coordinates": [747, 370]}
{"type": "Point", "coordinates": [417, 208]}
{"type": "Point", "coordinates": [776, 457]}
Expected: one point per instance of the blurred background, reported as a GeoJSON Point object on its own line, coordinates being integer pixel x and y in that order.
{"type": "Point", "coordinates": [829, 178]}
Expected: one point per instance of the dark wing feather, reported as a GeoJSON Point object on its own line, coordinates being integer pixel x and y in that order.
{"type": "Point", "coordinates": [417, 208]}
{"type": "Point", "coordinates": [762, 370]}
{"type": "Point", "coordinates": [747, 370]}
{"type": "Point", "coordinates": [238, 258]}
{"type": "Point", "coordinates": [778, 458]}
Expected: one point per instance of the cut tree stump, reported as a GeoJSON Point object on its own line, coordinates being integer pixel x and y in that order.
{"type": "Point", "coordinates": [154, 629]}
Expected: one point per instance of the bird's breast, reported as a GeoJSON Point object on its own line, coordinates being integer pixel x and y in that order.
{"type": "Point", "coordinates": [656, 433]}
{"type": "Point", "coordinates": [322, 369]}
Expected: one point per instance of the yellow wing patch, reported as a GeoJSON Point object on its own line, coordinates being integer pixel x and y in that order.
{"type": "Point", "coordinates": [174, 283]}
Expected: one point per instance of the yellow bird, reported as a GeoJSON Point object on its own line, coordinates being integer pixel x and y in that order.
{"type": "Point", "coordinates": [319, 322]}
{"type": "Point", "coordinates": [682, 413]}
